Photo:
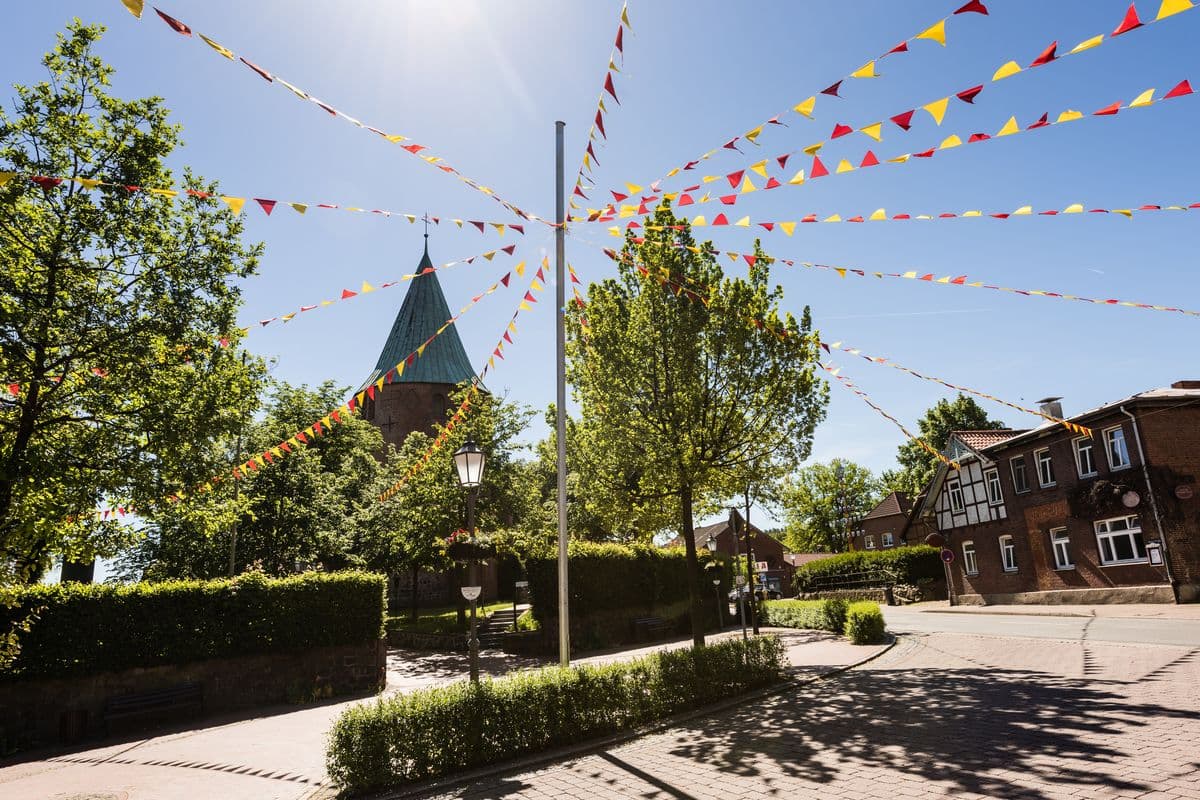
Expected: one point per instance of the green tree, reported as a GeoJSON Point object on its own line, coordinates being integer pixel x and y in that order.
{"type": "Point", "coordinates": [917, 465]}
{"type": "Point", "coordinates": [822, 502]}
{"type": "Point", "coordinates": [684, 387]}
{"type": "Point", "coordinates": [112, 304]}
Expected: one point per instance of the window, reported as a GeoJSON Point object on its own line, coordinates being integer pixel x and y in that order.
{"type": "Point", "coordinates": [1118, 452]}
{"type": "Point", "coordinates": [887, 540]}
{"type": "Point", "coordinates": [1008, 553]}
{"type": "Point", "coordinates": [970, 565]}
{"type": "Point", "coordinates": [956, 495]}
{"type": "Point", "coordinates": [1120, 541]}
{"type": "Point", "coordinates": [1085, 459]}
{"type": "Point", "coordinates": [995, 496]}
{"type": "Point", "coordinates": [870, 540]}
{"type": "Point", "coordinates": [1061, 544]}
{"type": "Point", "coordinates": [1020, 482]}
{"type": "Point", "coordinates": [1045, 468]}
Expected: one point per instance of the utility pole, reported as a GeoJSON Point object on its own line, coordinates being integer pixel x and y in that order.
{"type": "Point", "coordinates": [750, 565]}
{"type": "Point", "coordinates": [560, 364]}
{"type": "Point", "coordinates": [233, 537]}
{"type": "Point", "coordinates": [737, 554]}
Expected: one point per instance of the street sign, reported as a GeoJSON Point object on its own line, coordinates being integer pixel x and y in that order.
{"type": "Point", "coordinates": [740, 580]}
{"type": "Point", "coordinates": [522, 584]}
{"type": "Point", "coordinates": [947, 555]}
{"type": "Point", "coordinates": [761, 566]}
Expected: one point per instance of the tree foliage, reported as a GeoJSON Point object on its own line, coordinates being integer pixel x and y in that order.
{"type": "Point", "coordinates": [821, 503]}
{"type": "Point", "coordinates": [112, 305]}
{"type": "Point", "coordinates": [918, 465]}
{"type": "Point", "coordinates": [680, 390]}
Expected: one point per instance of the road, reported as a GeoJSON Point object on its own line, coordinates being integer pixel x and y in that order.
{"type": "Point", "coordinates": [965, 706]}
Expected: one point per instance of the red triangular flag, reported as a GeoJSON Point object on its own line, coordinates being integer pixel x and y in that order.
{"type": "Point", "coordinates": [869, 160]}
{"type": "Point", "coordinates": [600, 123]}
{"type": "Point", "coordinates": [620, 43]}
{"type": "Point", "coordinates": [903, 120]}
{"type": "Point", "coordinates": [267, 77]}
{"type": "Point", "coordinates": [783, 159]}
{"type": "Point", "coordinates": [592, 153]}
{"type": "Point", "coordinates": [506, 278]}
{"type": "Point", "coordinates": [729, 199]}
{"type": "Point", "coordinates": [720, 219]}
{"type": "Point", "coordinates": [509, 249]}
{"type": "Point", "coordinates": [175, 24]}
{"type": "Point", "coordinates": [969, 95]}
{"type": "Point", "coordinates": [1047, 55]}
{"type": "Point", "coordinates": [855, 219]}
{"type": "Point", "coordinates": [478, 225]}
{"type": "Point", "coordinates": [1108, 111]}
{"type": "Point", "coordinates": [1042, 122]}
{"type": "Point", "coordinates": [840, 130]}
{"type": "Point", "coordinates": [902, 216]}
{"type": "Point", "coordinates": [810, 218]}
{"type": "Point", "coordinates": [974, 6]}
{"type": "Point", "coordinates": [735, 178]}
{"type": "Point", "coordinates": [978, 137]}
{"type": "Point", "coordinates": [617, 196]}
{"type": "Point", "coordinates": [818, 169]}
{"type": "Point", "coordinates": [750, 259]}
{"type": "Point", "coordinates": [1130, 22]}
{"type": "Point", "coordinates": [267, 205]}
{"type": "Point", "coordinates": [685, 200]}
{"type": "Point", "coordinates": [900, 48]}
{"type": "Point", "coordinates": [770, 226]}
{"type": "Point", "coordinates": [1184, 88]}
{"type": "Point", "coordinates": [833, 90]}
{"type": "Point", "coordinates": [519, 229]}
{"type": "Point", "coordinates": [347, 294]}
{"type": "Point", "coordinates": [371, 391]}
{"type": "Point", "coordinates": [529, 296]}
{"type": "Point", "coordinates": [772, 183]}
{"type": "Point", "coordinates": [608, 87]}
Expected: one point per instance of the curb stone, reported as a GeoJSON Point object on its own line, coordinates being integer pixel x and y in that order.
{"type": "Point", "coordinates": [1075, 614]}
{"type": "Point", "coordinates": [596, 745]}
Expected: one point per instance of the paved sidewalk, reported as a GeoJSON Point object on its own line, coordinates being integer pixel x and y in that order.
{"type": "Point", "coordinates": [1187, 611]}
{"type": "Point", "coordinates": [279, 752]}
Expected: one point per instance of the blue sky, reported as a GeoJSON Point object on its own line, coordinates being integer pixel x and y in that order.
{"type": "Point", "coordinates": [482, 83]}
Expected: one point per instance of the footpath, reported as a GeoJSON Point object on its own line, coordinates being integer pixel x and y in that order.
{"type": "Point", "coordinates": [1186, 611]}
{"type": "Point", "coordinates": [279, 752]}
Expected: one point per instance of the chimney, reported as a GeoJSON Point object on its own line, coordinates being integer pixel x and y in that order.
{"type": "Point", "coordinates": [1051, 407]}
{"type": "Point", "coordinates": [1186, 385]}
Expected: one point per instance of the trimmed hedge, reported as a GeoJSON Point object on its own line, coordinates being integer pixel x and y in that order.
{"type": "Point", "coordinates": [917, 564]}
{"type": "Point", "coordinates": [864, 623]}
{"type": "Point", "coordinates": [821, 615]}
{"type": "Point", "coordinates": [84, 629]}
{"type": "Point", "coordinates": [436, 731]}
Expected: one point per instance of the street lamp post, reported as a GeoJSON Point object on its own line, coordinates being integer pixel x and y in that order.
{"type": "Point", "coordinates": [469, 462]}
{"type": "Point", "coordinates": [711, 544]}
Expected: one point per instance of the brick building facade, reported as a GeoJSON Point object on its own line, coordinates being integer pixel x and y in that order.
{"type": "Point", "coordinates": [1050, 515]}
{"type": "Point", "coordinates": [891, 523]}
{"type": "Point", "coordinates": [766, 550]}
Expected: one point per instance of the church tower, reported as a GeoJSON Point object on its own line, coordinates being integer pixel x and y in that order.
{"type": "Point", "coordinates": [420, 396]}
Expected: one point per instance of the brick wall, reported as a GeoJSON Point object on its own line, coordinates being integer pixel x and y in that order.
{"type": "Point", "coordinates": [1172, 443]}
{"type": "Point", "coordinates": [401, 408]}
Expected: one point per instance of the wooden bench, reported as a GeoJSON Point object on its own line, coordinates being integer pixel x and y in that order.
{"type": "Point", "coordinates": [183, 698]}
{"type": "Point", "coordinates": [649, 629]}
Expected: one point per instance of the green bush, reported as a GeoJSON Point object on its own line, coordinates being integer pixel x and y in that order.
{"type": "Point", "coordinates": [83, 629]}
{"type": "Point", "coordinates": [917, 564]}
{"type": "Point", "coordinates": [864, 623]}
{"type": "Point", "coordinates": [433, 732]}
{"type": "Point", "coordinates": [526, 622]}
{"type": "Point", "coordinates": [821, 615]}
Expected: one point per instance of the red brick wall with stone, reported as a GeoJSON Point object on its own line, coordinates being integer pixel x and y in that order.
{"type": "Point", "coordinates": [401, 408]}
{"type": "Point", "coordinates": [1171, 439]}
{"type": "Point", "coordinates": [876, 527]}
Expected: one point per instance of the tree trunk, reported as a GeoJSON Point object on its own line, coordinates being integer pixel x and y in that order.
{"type": "Point", "coordinates": [412, 611]}
{"type": "Point", "coordinates": [687, 530]}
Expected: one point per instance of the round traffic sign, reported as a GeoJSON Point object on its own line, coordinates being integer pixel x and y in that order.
{"type": "Point", "coordinates": [947, 555]}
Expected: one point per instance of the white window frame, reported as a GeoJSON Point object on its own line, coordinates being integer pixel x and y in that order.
{"type": "Point", "coordinates": [1078, 445]}
{"type": "Point", "coordinates": [1108, 448]}
{"type": "Point", "coordinates": [992, 478]}
{"type": "Point", "coordinates": [1106, 534]}
{"type": "Point", "coordinates": [953, 490]}
{"type": "Point", "coordinates": [1059, 536]}
{"type": "Point", "coordinates": [1008, 545]}
{"type": "Point", "coordinates": [886, 540]}
{"type": "Point", "coordinates": [970, 558]}
{"type": "Point", "coordinates": [1012, 468]}
{"type": "Point", "coordinates": [1037, 465]}
{"type": "Point", "coordinates": [869, 541]}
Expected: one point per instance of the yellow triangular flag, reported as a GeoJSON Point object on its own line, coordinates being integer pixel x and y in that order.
{"type": "Point", "coordinates": [1074, 208]}
{"type": "Point", "coordinates": [87, 183]}
{"type": "Point", "coordinates": [878, 216]}
{"type": "Point", "coordinates": [972, 213]}
{"type": "Point", "coordinates": [1087, 44]}
{"type": "Point", "coordinates": [1023, 211]}
{"type": "Point", "coordinates": [1011, 68]}
{"type": "Point", "coordinates": [710, 178]}
{"type": "Point", "coordinates": [865, 71]}
{"type": "Point", "coordinates": [760, 168]}
{"type": "Point", "coordinates": [300, 207]}
{"type": "Point", "coordinates": [797, 179]}
{"type": "Point", "coordinates": [841, 271]}
{"type": "Point", "coordinates": [805, 107]}
{"type": "Point", "coordinates": [366, 287]}
{"type": "Point", "coordinates": [844, 166]}
{"type": "Point", "coordinates": [164, 192]}
{"type": "Point", "coordinates": [832, 218]}
{"type": "Point", "coordinates": [1143, 99]}
{"type": "Point", "coordinates": [950, 141]}
{"type": "Point", "coordinates": [625, 18]}
{"type": "Point", "coordinates": [909, 275]}
{"type": "Point", "coordinates": [753, 134]}
{"type": "Point", "coordinates": [699, 222]}
{"type": "Point", "coordinates": [1009, 128]}
{"type": "Point", "coordinates": [673, 172]}
{"type": "Point", "coordinates": [788, 227]}
{"type": "Point", "coordinates": [813, 149]}
{"type": "Point", "coordinates": [875, 131]}
{"type": "Point", "coordinates": [303, 95]}
{"type": "Point", "coordinates": [225, 51]}
{"type": "Point", "coordinates": [934, 33]}
{"type": "Point", "coordinates": [1172, 7]}
{"type": "Point", "coordinates": [744, 222]}
{"type": "Point", "coordinates": [235, 203]}
{"type": "Point", "coordinates": [937, 109]}
{"type": "Point", "coordinates": [520, 269]}
{"type": "Point", "coordinates": [633, 188]}
{"type": "Point", "coordinates": [1125, 212]}
{"type": "Point", "coordinates": [135, 7]}
{"type": "Point", "coordinates": [900, 159]}
{"type": "Point", "coordinates": [536, 286]}
{"type": "Point", "coordinates": [615, 230]}
{"type": "Point", "coordinates": [525, 306]}
{"type": "Point", "coordinates": [1068, 116]}
{"type": "Point", "coordinates": [379, 384]}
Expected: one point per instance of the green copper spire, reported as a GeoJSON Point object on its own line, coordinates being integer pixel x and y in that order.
{"type": "Point", "coordinates": [423, 311]}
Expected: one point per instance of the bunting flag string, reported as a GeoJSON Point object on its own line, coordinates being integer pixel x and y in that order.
{"type": "Point", "coordinates": [951, 280]}
{"type": "Point", "coordinates": [806, 108]}
{"type": "Point", "coordinates": [836, 372]}
{"type": "Point", "coordinates": [510, 329]}
{"type": "Point", "coordinates": [818, 169]}
{"type": "Point", "coordinates": [788, 227]}
{"type": "Point", "coordinates": [608, 88]}
{"type": "Point", "coordinates": [936, 109]}
{"type": "Point", "coordinates": [137, 7]}
{"type": "Point", "coordinates": [238, 204]}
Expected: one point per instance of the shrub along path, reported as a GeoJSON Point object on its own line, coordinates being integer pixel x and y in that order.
{"type": "Point", "coordinates": [280, 752]}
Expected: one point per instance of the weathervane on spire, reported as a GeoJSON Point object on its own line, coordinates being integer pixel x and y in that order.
{"type": "Point", "coordinates": [426, 219]}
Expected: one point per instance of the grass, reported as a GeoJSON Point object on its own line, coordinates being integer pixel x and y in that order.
{"type": "Point", "coordinates": [440, 620]}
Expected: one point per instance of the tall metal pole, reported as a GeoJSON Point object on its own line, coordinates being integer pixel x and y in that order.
{"type": "Point", "coordinates": [473, 641]}
{"type": "Point", "coordinates": [737, 555]}
{"type": "Point", "coordinates": [237, 456]}
{"type": "Point", "coordinates": [560, 364]}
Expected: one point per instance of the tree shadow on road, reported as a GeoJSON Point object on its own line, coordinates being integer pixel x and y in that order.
{"type": "Point", "coordinates": [974, 730]}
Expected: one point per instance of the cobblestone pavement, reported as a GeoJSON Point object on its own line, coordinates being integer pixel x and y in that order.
{"type": "Point", "coordinates": [940, 715]}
